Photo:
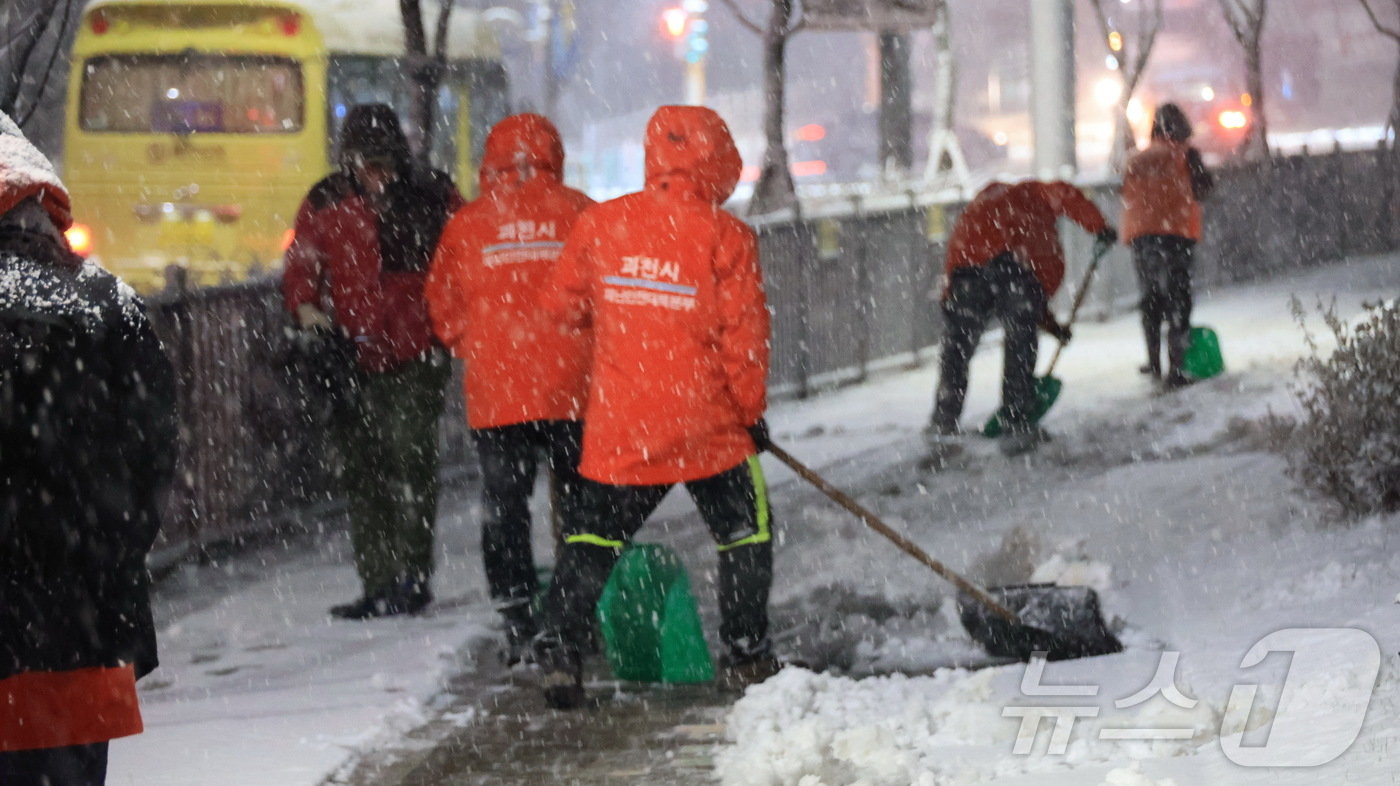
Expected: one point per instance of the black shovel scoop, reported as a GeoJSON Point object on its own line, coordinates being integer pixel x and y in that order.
{"type": "Point", "coordinates": [1010, 622]}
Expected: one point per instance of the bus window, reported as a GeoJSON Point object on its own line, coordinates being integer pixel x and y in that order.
{"type": "Point", "coordinates": [191, 93]}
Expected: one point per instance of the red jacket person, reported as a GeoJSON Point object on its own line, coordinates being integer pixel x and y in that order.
{"type": "Point", "coordinates": [1004, 262]}
{"type": "Point", "coordinates": [670, 284]}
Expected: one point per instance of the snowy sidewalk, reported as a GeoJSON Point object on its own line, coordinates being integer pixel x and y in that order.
{"type": "Point", "coordinates": [1169, 495]}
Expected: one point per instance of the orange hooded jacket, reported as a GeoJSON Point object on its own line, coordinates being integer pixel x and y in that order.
{"type": "Point", "coordinates": [671, 285]}
{"type": "Point", "coordinates": [1021, 218]}
{"type": "Point", "coordinates": [1157, 194]}
{"type": "Point", "coordinates": [492, 261]}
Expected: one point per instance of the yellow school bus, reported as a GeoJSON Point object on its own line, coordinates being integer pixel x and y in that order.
{"type": "Point", "coordinates": [194, 127]}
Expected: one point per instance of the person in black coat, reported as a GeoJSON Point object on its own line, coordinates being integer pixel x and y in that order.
{"type": "Point", "coordinates": [87, 445]}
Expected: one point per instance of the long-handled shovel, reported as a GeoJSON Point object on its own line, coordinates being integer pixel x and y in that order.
{"type": "Point", "coordinates": [1011, 622]}
{"type": "Point", "coordinates": [1047, 388]}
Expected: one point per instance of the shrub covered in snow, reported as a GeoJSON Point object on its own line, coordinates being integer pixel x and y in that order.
{"type": "Point", "coordinates": [1347, 444]}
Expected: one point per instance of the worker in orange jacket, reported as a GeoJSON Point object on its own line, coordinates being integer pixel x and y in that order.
{"type": "Point", "coordinates": [525, 370]}
{"type": "Point", "coordinates": [1162, 189]}
{"type": "Point", "coordinates": [1004, 261]}
{"type": "Point", "coordinates": [670, 284]}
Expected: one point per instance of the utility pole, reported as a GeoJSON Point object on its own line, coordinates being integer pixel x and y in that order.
{"type": "Point", "coordinates": [1052, 88]}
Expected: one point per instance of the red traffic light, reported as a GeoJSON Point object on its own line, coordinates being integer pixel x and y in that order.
{"type": "Point", "coordinates": [674, 21]}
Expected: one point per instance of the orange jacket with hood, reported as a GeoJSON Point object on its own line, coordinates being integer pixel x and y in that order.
{"type": "Point", "coordinates": [670, 283]}
{"type": "Point", "coordinates": [492, 261]}
{"type": "Point", "coordinates": [1157, 193]}
{"type": "Point", "coordinates": [1021, 218]}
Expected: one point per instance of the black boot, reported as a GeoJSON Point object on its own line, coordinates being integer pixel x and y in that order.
{"type": "Point", "coordinates": [561, 672]}
{"type": "Point", "coordinates": [738, 669]}
{"type": "Point", "coordinates": [410, 596]}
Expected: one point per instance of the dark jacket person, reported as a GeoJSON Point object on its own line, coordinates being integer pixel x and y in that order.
{"type": "Point", "coordinates": [364, 241]}
{"type": "Point", "coordinates": [87, 435]}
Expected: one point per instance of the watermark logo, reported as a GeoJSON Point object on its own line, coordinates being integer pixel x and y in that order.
{"type": "Point", "coordinates": [1323, 702]}
{"type": "Point", "coordinates": [1320, 709]}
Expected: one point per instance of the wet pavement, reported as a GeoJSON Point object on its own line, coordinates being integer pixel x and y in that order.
{"type": "Point", "coordinates": [499, 732]}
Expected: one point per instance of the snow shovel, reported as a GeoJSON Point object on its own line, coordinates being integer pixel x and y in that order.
{"type": "Point", "coordinates": [649, 620]}
{"type": "Point", "coordinates": [1010, 622]}
{"type": "Point", "coordinates": [1047, 388]}
{"type": "Point", "coordinates": [1202, 359]}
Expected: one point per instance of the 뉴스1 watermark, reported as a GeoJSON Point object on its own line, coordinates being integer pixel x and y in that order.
{"type": "Point", "coordinates": [1344, 661]}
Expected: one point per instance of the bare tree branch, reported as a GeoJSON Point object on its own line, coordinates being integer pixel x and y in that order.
{"type": "Point", "coordinates": [1376, 21]}
{"type": "Point", "coordinates": [440, 35]}
{"type": "Point", "coordinates": [799, 21]}
{"type": "Point", "coordinates": [743, 20]}
{"type": "Point", "coordinates": [1101, 17]}
{"type": "Point", "coordinates": [1246, 20]}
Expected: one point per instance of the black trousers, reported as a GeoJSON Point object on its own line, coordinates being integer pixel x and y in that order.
{"type": "Point", "coordinates": [510, 459]}
{"type": "Point", "coordinates": [72, 765]}
{"type": "Point", "coordinates": [1163, 264]}
{"type": "Point", "coordinates": [734, 505]}
{"type": "Point", "coordinates": [1009, 292]}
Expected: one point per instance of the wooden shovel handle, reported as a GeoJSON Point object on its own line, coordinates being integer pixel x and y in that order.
{"type": "Point", "coordinates": [874, 522]}
{"type": "Point", "coordinates": [1100, 251]}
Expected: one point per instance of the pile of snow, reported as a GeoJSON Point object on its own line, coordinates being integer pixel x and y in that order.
{"type": "Point", "coordinates": [953, 727]}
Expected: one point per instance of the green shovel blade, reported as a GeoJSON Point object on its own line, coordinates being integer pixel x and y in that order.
{"type": "Point", "coordinates": [1203, 359]}
{"type": "Point", "coordinates": [650, 622]}
{"type": "Point", "coordinates": [1047, 390]}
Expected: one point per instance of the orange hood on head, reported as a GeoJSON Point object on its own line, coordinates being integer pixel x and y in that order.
{"type": "Point", "coordinates": [520, 141]}
{"type": "Point", "coordinates": [689, 151]}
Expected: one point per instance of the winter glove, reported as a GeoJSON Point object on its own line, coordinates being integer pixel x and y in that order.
{"type": "Point", "coordinates": [310, 317]}
{"type": "Point", "coordinates": [1106, 237]}
{"type": "Point", "coordinates": [759, 433]}
{"type": "Point", "coordinates": [1060, 332]}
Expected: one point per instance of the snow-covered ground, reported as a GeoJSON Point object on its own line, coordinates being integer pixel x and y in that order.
{"type": "Point", "coordinates": [1198, 542]}
{"type": "Point", "coordinates": [1172, 506]}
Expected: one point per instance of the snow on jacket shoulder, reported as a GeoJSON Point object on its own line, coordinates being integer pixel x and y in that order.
{"type": "Point", "coordinates": [87, 436]}
{"type": "Point", "coordinates": [368, 270]}
{"type": "Point", "coordinates": [1158, 195]}
{"type": "Point", "coordinates": [492, 263]}
{"type": "Point", "coordinates": [671, 285]}
{"type": "Point", "coordinates": [1021, 218]}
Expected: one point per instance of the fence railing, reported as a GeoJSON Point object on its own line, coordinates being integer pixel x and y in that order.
{"type": "Point", "coordinates": [852, 287]}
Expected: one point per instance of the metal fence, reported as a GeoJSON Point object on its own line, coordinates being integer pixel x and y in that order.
{"type": "Point", "coordinates": [853, 286]}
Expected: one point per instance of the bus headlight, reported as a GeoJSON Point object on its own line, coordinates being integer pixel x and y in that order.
{"type": "Point", "coordinates": [79, 239]}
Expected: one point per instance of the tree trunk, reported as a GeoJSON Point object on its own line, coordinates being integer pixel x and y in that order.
{"type": "Point", "coordinates": [896, 152]}
{"type": "Point", "coordinates": [1394, 121]}
{"type": "Point", "coordinates": [424, 73]}
{"type": "Point", "coordinates": [774, 189]}
{"type": "Point", "coordinates": [1257, 146]}
{"type": "Point", "coordinates": [1123, 141]}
